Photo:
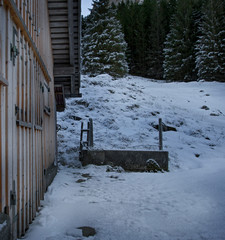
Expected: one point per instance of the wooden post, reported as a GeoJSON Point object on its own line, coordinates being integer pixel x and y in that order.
{"type": "Point", "coordinates": [91, 132]}
{"type": "Point", "coordinates": [81, 136]}
{"type": "Point", "coordinates": [160, 135]}
{"type": "Point", "coordinates": [88, 134]}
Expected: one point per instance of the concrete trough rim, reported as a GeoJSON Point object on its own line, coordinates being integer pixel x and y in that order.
{"type": "Point", "coordinates": [130, 160]}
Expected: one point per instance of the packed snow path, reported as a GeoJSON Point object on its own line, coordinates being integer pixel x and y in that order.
{"type": "Point", "coordinates": [186, 203]}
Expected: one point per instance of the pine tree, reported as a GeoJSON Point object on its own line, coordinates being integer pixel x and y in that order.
{"type": "Point", "coordinates": [145, 28]}
{"type": "Point", "coordinates": [104, 46]}
{"type": "Point", "coordinates": [210, 61]}
{"type": "Point", "coordinates": [152, 26]}
{"type": "Point", "coordinates": [157, 26]}
{"type": "Point", "coordinates": [179, 63]}
{"type": "Point", "coordinates": [131, 18]}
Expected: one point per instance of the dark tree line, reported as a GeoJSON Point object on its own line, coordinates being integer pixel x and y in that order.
{"type": "Point", "coordinates": [145, 28]}
{"type": "Point", "coordinates": [179, 40]}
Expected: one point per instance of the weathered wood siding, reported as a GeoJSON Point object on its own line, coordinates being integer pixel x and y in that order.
{"type": "Point", "coordinates": [65, 26]}
{"type": "Point", "coordinates": [27, 109]}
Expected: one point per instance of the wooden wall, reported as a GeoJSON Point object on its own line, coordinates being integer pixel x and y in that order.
{"type": "Point", "coordinates": [65, 26]}
{"type": "Point", "coordinates": [27, 109]}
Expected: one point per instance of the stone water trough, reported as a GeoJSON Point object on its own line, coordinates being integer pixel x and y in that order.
{"type": "Point", "coordinates": [129, 160]}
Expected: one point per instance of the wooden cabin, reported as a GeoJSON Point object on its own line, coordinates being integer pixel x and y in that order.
{"type": "Point", "coordinates": [65, 36]}
{"type": "Point", "coordinates": [39, 45]}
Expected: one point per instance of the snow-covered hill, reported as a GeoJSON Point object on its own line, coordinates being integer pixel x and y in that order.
{"type": "Point", "coordinates": [124, 112]}
{"type": "Point", "coordinates": [186, 203]}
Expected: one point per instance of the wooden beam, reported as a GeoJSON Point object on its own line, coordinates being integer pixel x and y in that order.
{"type": "Point", "coordinates": [21, 24]}
{"type": "Point", "coordinates": [56, 5]}
{"type": "Point", "coordinates": [37, 127]}
{"type": "Point", "coordinates": [58, 18]}
{"type": "Point", "coordinates": [61, 61]}
{"type": "Point", "coordinates": [59, 35]}
{"type": "Point", "coordinates": [3, 81]}
{"type": "Point", "coordinates": [61, 51]}
{"type": "Point", "coordinates": [24, 124]}
{"type": "Point", "coordinates": [58, 24]}
{"type": "Point", "coordinates": [60, 56]}
{"type": "Point", "coordinates": [47, 111]}
{"type": "Point", "coordinates": [64, 71]}
{"type": "Point", "coordinates": [59, 30]}
{"type": "Point", "coordinates": [60, 41]}
{"type": "Point", "coordinates": [55, 12]}
{"type": "Point", "coordinates": [62, 46]}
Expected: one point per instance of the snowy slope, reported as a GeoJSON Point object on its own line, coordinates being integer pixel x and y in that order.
{"type": "Point", "coordinates": [186, 203]}
{"type": "Point", "coordinates": [125, 110]}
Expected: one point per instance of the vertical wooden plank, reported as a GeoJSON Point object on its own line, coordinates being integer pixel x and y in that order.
{"type": "Point", "coordinates": [30, 16]}
{"type": "Point", "coordinates": [34, 102]}
{"type": "Point", "coordinates": [3, 147]}
{"type": "Point", "coordinates": [42, 160]}
{"type": "Point", "coordinates": [79, 43]}
{"type": "Point", "coordinates": [44, 152]}
{"type": "Point", "coordinates": [2, 113]}
{"type": "Point", "coordinates": [33, 109]}
{"type": "Point", "coordinates": [26, 82]}
{"type": "Point", "coordinates": [23, 160]}
{"type": "Point", "coordinates": [27, 135]}
{"type": "Point", "coordinates": [37, 169]}
{"type": "Point", "coordinates": [36, 185]}
{"type": "Point", "coordinates": [27, 13]}
{"type": "Point", "coordinates": [37, 139]}
{"type": "Point", "coordinates": [37, 27]}
{"type": "Point", "coordinates": [37, 95]}
{"type": "Point", "coordinates": [14, 69]}
{"type": "Point", "coordinates": [31, 139]}
{"type": "Point", "coordinates": [24, 11]}
{"type": "Point", "coordinates": [27, 181]}
{"type": "Point", "coordinates": [21, 8]}
{"type": "Point", "coordinates": [1, 160]}
{"type": "Point", "coordinates": [32, 19]}
{"type": "Point", "coordinates": [30, 176]}
{"type": "Point", "coordinates": [19, 134]}
{"type": "Point", "coordinates": [11, 128]}
{"type": "Point", "coordinates": [71, 35]}
{"type": "Point", "coordinates": [36, 21]}
{"type": "Point", "coordinates": [7, 120]}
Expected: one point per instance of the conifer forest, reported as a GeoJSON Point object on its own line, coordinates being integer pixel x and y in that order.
{"type": "Point", "coordinates": [177, 40]}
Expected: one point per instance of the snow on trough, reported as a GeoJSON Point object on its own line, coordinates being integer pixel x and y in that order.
{"type": "Point", "coordinates": [186, 203]}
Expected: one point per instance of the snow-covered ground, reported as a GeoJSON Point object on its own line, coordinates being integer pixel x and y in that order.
{"type": "Point", "coordinates": [186, 203]}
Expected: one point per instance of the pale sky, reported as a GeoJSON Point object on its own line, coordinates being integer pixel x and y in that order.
{"type": "Point", "coordinates": [85, 5]}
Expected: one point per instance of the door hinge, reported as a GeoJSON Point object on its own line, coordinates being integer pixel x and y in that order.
{"type": "Point", "coordinates": [14, 53]}
{"type": "Point", "coordinates": [12, 198]}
